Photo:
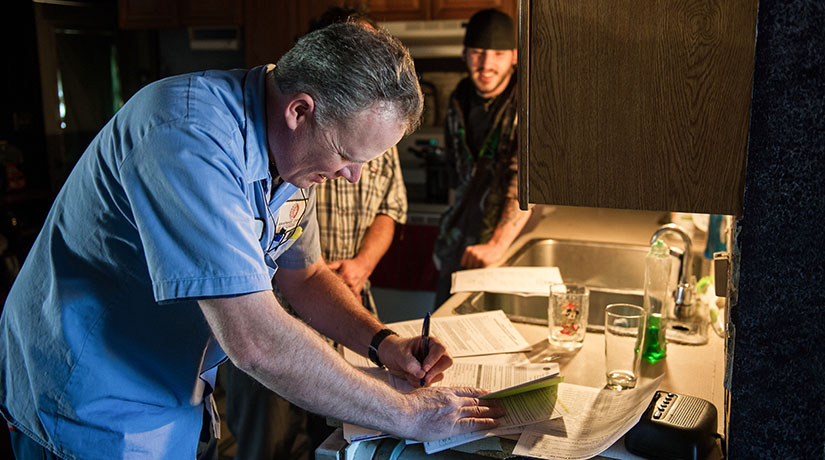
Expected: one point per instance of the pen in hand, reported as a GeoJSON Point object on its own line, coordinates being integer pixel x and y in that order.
{"type": "Point", "coordinates": [425, 342]}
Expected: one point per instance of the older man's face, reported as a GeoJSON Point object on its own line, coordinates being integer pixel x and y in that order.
{"type": "Point", "coordinates": [324, 154]}
{"type": "Point", "coordinates": [490, 70]}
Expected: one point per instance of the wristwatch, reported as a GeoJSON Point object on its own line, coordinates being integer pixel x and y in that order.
{"type": "Point", "coordinates": [376, 341]}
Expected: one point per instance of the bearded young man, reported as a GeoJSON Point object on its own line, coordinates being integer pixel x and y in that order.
{"type": "Point", "coordinates": [482, 145]}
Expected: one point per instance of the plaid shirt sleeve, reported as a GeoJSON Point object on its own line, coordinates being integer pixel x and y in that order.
{"type": "Point", "coordinates": [394, 204]}
{"type": "Point", "coordinates": [345, 211]}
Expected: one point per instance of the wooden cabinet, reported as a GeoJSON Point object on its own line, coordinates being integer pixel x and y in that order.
{"type": "Point", "coordinates": [271, 28]}
{"type": "Point", "coordinates": [399, 10]}
{"type": "Point", "coordinates": [405, 10]}
{"type": "Point", "coordinates": [636, 104]}
{"type": "Point", "coordinates": [463, 9]}
{"type": "Point", "coordinates": [143, 14]}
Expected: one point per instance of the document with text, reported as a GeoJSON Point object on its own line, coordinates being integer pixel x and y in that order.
{"type": "Point", "coordinates": [528, 394]}
{"type": "Point", "coordinates": [523, 409]}
{"type": "Point", "coordinates": [595, 419]}
{"type": "Point", "coordinates": [474, 334]}
{"type": "Point", "coordinates": [511, 280]}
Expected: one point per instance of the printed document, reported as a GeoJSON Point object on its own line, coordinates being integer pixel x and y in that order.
{"type": "Point", "coordinates": [522, 409]}
{"type": "Point", "coordinates": [512, 280]}
{"type": "Point", "coordinates": [596, 419]}
{"type": "Point", "coordinates": [475, 334]}
{"type": "Point", "coordinates": [535, 384]}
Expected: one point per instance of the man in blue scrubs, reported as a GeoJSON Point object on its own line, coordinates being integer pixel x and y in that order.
{"type": "Point", "coordinates": [155, 261]}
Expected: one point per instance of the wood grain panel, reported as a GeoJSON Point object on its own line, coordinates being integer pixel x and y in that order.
{"type": "Point", "coordinates": [211, 13]}
{"type": "Point", "coordinates": [463, 9]}
{"type": "Point", "coordinates": [136, 14]}
{"type": "Point", "coordinates": [399, 10]}
{"type": "Point", "coordinates": [639, 104]}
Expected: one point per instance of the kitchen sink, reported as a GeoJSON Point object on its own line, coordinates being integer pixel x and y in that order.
{"type": "Point", "coordinates": [613, 272]}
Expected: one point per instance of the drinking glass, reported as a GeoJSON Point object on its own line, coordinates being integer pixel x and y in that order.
{"type": "Point", "coordinates": [624, 331]}
{"type": "Point", "coordinates": [567, 314]}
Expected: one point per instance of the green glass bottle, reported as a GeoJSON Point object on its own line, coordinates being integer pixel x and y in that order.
{"type": "Point", "coordinates": [657, 275]}
{"type": "Point", "coordinates": [655, 346]}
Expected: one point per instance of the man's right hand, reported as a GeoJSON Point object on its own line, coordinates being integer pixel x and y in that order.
{"type": "Point", "coordinates": [441, 412]}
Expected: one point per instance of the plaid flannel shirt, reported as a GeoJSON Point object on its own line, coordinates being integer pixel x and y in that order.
{"type": "Point", "coordinates": [345, 210]}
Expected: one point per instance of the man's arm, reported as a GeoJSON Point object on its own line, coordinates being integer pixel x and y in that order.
{"type": "Point", "coordinates": [374, 245]}
{"type": "Point", "coordinates": [323, 301]}
{"type": "Point", "coordinates": [378, 236]}
{"type": "Point", "coordinates": [509, 226]}
{"type": "Point", "coordinates": [283, 354]}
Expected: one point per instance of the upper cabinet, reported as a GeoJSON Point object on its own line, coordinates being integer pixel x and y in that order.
{"type": "Point", "coordinates": [271, 28]}
{"type": "Point", "coordinates": [636, 104]}
{"type": "Point", "coordinates": [143, 14]}
{"type": "Point", "coordinates": [405, 10]}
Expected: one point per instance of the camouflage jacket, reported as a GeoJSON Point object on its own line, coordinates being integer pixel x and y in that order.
{"type": "Point", "coordinates": [483, 181]}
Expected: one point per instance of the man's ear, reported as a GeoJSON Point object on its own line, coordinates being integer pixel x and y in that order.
{"type": "Point", "coordinates": [298, 110]}
{"type": "Point", "coordinates": [515, 56]}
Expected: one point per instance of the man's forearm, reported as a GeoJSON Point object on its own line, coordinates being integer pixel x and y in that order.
{"type": "Point", "coordinates": [512, 221]}
{"type": "Point", "coordinates": [286, 356]}
{"type": "Point", "coordinates": [508, 228]}
{"type": "Point", "coordinates": [276, 349]}
{"type": "Point", "coordinates": [376, 241]}
{"type": "Point", "coordinates": [324, 302]}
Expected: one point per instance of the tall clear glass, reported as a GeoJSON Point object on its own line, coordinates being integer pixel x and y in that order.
{"type": "Point", "coordinates": [624, 333]}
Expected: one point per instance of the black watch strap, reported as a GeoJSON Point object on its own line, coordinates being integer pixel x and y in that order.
{"type": "Point", "coordinates": [376, 341]}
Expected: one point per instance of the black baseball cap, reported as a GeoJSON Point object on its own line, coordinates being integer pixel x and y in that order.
{"type": "Point", "coordinates": [490, 29]}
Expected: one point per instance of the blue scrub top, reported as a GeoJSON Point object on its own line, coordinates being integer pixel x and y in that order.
{"type": "Point", "coordinates": [104, 352]}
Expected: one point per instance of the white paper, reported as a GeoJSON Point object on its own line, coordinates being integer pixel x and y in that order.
{"type": "Point", "coordinates": [521, 409]}
{"type": "Point", "coordinates": [515, 280]}
{"type": "Point", "coordinates": [491, 377]}
{"type": "Point", "coordinates": [475, 334]}
{"type": "Point", "coordinates": [448, 443]}
{"type": "Point", "coordinates": [355, 433]}
{"type": "Point", "coordinates": [596, 419]}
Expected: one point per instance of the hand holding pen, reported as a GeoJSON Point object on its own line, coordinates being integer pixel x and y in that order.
{"type": "Point", "coordinates": [425, 344]}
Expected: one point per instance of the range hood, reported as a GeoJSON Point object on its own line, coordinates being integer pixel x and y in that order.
{"type": "Point", "coordinates": [429, 39]}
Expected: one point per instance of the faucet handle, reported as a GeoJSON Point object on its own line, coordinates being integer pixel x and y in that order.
{"type": "Point", "coordinates": [683, 299]}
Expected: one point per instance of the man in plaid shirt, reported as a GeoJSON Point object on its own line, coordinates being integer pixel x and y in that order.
{"type": "Point", "coordinates": [357, 221]}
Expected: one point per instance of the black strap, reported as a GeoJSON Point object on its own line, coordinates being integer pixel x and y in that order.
{"type": "Point", "coordinates": [376, 341]}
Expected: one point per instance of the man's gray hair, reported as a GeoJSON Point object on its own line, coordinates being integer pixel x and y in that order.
{"type": "Point", "coordinates": [349, 67]}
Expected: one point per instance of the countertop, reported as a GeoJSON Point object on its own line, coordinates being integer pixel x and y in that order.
{"type": "Point", "coordinates": [694, 370]}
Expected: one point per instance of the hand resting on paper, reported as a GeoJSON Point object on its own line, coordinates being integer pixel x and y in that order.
{"type": "Point", "coordinates": [399, 355]}
{"type": "Point", "coordinates": [442, 412]}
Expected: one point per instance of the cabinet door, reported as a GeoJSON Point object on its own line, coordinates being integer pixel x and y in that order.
{"type": "Point", "coordinates": [271, 28]}
{"type": "Point", "coordinates": [146, 14]}
{"type": "Point", "coordinates": [399, 10]}
{"type": "Point", "coordinates": [463, 9]}
{"type": "Point", "coordinates": [142, 14]}
{"type": "Point", "coordinates": [636, 104]}
{"type": "Point", "coordinates": [195, 13]}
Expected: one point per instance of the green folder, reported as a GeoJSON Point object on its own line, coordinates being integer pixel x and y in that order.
{"type": "Point", "coordinates": [541, 382]}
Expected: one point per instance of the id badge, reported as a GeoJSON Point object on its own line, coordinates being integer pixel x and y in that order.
{"type": "Point", "coordinates": [289, 215]}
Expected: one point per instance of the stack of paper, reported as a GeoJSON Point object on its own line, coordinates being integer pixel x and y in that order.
{"type": "Point", "coordinates": [528, 391]}
{"type": "Point", "coordinates": [553, 420]}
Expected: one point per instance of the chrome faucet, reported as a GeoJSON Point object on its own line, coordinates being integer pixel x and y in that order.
{"type": "Point", "coordinates": [683, 294]}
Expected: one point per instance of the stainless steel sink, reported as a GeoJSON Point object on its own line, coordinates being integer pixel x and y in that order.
{"type": "Point", "coordinates": [614, 273]}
